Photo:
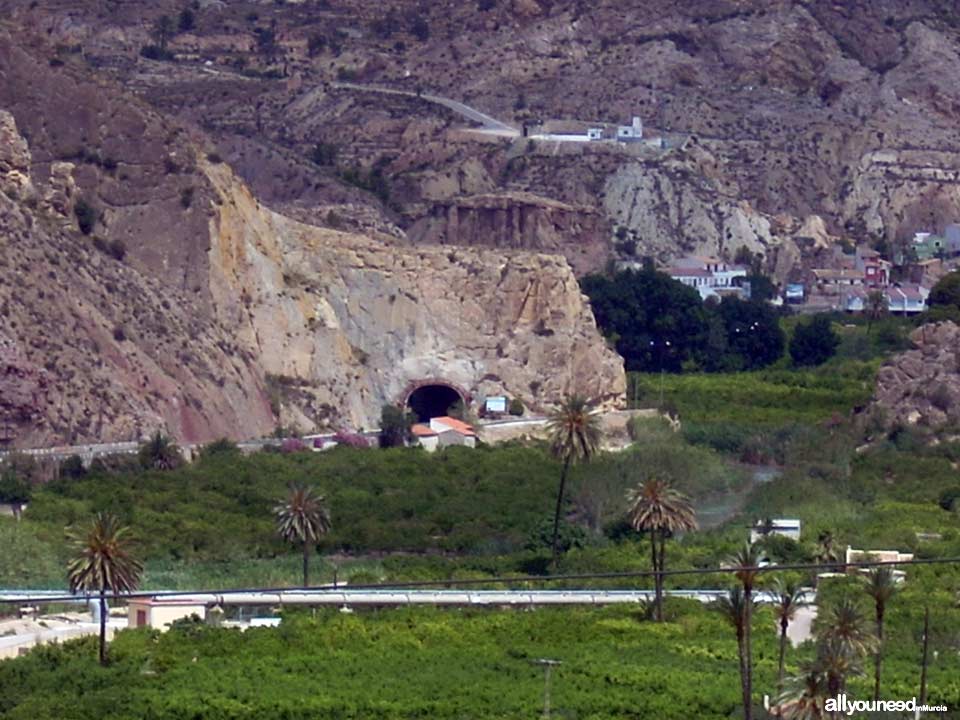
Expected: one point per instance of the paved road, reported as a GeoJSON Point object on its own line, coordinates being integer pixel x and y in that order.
{"type": "Point", "coordinates": [490, 124]}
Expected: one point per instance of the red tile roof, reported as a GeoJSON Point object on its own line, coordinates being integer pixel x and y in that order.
{"type": "Point", "coordinates": [454, 424]}
{"type": "Point", "coordinates": [421, 430]}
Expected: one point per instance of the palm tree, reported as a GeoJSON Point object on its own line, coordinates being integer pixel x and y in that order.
{"type": "Point", "coordinates": [302, 518]}
{"type": "Point", "coordinates": [574, 436]}
{"type": "Point", "coordinates": [103, 564]}
{"type": "Point", "coordinates": [659, 509]}
{"type": "Point", "coordinates": [160, 453]}
{"type": "Point", "coordinates": [807, 698]}
{"type": "Point", "coordinates": [826, 553]}
{"type": "Point", "coordinates": [789, 599]}
{"type": "Point", "coordinates": [746, 564]}
{"type": "Point", "coordinates": [881, 586]}
{"type": "Point", "coordinates": [843, 640]}
{"type": "Point", "coordinates": [736, 608]}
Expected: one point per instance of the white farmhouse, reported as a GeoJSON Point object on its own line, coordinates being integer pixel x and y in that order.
{"type": "Point", "coordinates": [710, 276]}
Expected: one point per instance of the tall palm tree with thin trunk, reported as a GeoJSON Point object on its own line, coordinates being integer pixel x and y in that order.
{"type": "Point", "coordinates": [746, 564]}
{"type": "Point", "coordinates": [658, 508]}
{"type": "Point", "coordinates": [843, 639]}
{"type": "Point", "coordinates": [103, 564]}
{"type": "Point", "coordinates": [735, 607]}
{"type": "Point", "coordinates": [302, 517]}
{"type": "Point", "coordinates": [788, 599]}
{"type": "Point", "coordinates": [574, 437]}
{"type": "Point", "coordinates": [881, 587]}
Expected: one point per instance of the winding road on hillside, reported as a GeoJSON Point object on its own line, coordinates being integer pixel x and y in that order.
{"type": "Point", "coordinates": [490, 125]}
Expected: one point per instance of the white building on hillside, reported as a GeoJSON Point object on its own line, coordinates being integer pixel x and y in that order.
{"type": "Point", "coordinates": [710, 276]}
{"type": "Point", "coordinates": [632, 132]}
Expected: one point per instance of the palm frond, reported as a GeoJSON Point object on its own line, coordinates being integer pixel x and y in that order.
{"type": "Point", "coordinates": [302, 517]}
{"type": "Point", "coordinates": [103, 562]}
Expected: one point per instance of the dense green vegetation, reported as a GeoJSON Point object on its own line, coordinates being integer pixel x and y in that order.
{"type": "Point", "coordinates": [436, 664]}
{"type": "Point", "coordinates": [219, 510]}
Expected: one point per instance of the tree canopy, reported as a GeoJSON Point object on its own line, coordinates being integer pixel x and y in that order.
{"type": "Point", "coordinates": [814, 342]}
{"type": "Point", "coordinates": [658, 323]}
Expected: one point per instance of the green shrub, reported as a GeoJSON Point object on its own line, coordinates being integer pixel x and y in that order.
{"type": "Point", "coordinates": [516, 407]}
{"type": "Point", "coordinates": [813, 342]}
{"type": "Point", "coordinates": [949, 498]}
{"type": "Point", "coordinates": [86, 216]}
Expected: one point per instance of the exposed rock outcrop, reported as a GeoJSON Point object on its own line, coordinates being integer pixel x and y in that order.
{"type": "Point", "coordinates": [349, 322]}
{"type": "Point", "coordinates": [23, 392]}
{"type": "Point", "coordinates": [922, 386]}
{"type": "Point", "coordinates": [518, 221]}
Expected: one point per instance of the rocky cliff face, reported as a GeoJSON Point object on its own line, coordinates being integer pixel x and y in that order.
{"type": "Point", "coordinates": [218, 317]}
{"type": "Point", "coordinates": [922, 386]}
{"type": "Point", "coordinates": [345, 323]}
{"type": "Point", "coordinates": [517, 221]}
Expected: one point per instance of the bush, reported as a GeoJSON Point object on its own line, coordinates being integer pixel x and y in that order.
{"type": "Point", "coordinates": [949, 499]}
{"type": "Point", "coordinates": [187, 20]}
{"type": "Point", "coordinates": [155, 52]}
{"type": "Point", "coordinates": [946, 293]}
{"type": "Point", "coordinates": [395, 426]}
{"type": "Point", "coordinates": [813, 342]}
{"type": "Point", "coordinates": [569, 536]}
{"type": "Point", "coordinates": [324, 153]}
{"type": "Point", "coordinates": [516, 407]}
{"type": "Point", "coordinates": [72, 467]}
{"type": "Point", "coordinates": [86, 216]}
{"type": "Point", "coordinates": [420, 28]}
{"type": "Point", "coordinates": [14, 489]}
{"type": "Point", "coordinates": [351, 439]}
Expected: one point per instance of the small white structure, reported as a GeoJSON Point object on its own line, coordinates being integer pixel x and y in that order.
{"type": "Point", "coordinates": [884, 556]}
{"type": "Point", "coordinates": [444, 431]}
{"type": "Point", "coordinates": [631, 133]}
{"type": "Point", "coordinates": [595, 133]}
{"type": "Point", "coordinates": [496, 404]}
{"type": "Point", "coordinates": [160, 613]}
{"type": "Point", "coordinates": [786, 527]}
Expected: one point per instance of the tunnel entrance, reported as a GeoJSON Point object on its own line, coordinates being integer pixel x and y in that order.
{"type": "Point", "coordinates": [433, 400]}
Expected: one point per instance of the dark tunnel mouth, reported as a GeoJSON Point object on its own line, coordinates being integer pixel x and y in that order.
{"type": "Point", "coordinates": [433, 400]}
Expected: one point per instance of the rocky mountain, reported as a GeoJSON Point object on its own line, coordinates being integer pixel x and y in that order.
{"type": "Point", "coordinates": [780, 115]}
{"type": "Point", "coordinates": [921, 387]}
{"type": "Point", "coordinates": [143, 286]}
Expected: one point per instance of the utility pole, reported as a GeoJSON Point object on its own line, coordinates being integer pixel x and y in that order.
{"type": "Point", "coordinates": [548, 666]}
{"type": "Point", "coordinates": [926, 648]}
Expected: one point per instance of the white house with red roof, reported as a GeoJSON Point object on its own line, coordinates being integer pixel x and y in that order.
{"type": "Point", "coordinates": [442, 432]}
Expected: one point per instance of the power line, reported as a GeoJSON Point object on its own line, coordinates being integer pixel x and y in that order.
{"type": "Point", "coordinates": [495, 580]}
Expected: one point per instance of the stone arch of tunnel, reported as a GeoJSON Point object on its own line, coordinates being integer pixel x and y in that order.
{"type": "Point", "coordinates": [433, 398]}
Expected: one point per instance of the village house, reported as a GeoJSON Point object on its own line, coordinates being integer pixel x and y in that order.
{"type": "Point", "coordinates": [710, 276]}
{"type": "Point", "coordinates": [442, 432]}
{"type": "Point", "coordinates": [884, 556]}
{"type": "Point", "coordinates": [927, 246]}
{"type": "Point", "coordinates": [899, 299]}
{"type": "Point", "coordinates": [785, 527]}
{"type": "Point", "coordinates": [161, 613]}
{"type": "Point", "coordinates": [876, 270]}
